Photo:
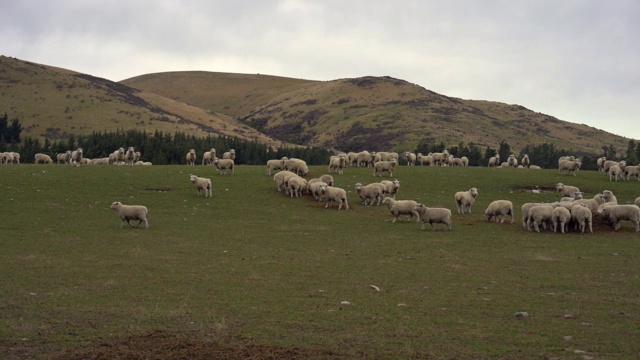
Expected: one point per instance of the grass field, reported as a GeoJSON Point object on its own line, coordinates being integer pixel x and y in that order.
{"type": "Point", "coordinates": [259, 275]}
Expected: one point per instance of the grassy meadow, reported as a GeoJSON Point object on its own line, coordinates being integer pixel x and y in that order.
{"type": "Point", "coordinates": [256, 267]}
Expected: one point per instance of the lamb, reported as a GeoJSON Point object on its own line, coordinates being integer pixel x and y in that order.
{"type": "Point", "coordinates": [494, 161]}
{"type": "Point", "coordinates": [433, 215]}
{"type": "Point", "coordinates": [401, 207]}
{"type": "Point", "coordinates": [202, 184]}
{"type": "Point", "coordinates": [560, 216]}
{"type": "Point", "coordinates": [209, 156]}
{"type": "Point", "coordinates": [276, 164]}
{"type": "Point", "coordinates": [390, 187]}
{"type": "Point", "coordinates": [566, 190]}
{"type": "Point", "coordinates": [581, 215]}
{"type": "Point", "coordinates": [131, 212]}
{"type": "Point", "coordinates": [465, 199]}
{"type": "Point", "coordinates": [616, 213]}
{"type": "Point", "coordinates": [297, 166]}
{"type": "Point", "coordinates": [191, 157]}
{"type": "Point", "coordinates": [231, 154]}
{"type": "Point", "coordinates": [369, 194]}
{"type": "Point", "coordinates": [223, 165]}
{"type": "Point", "coordinates": [539, 215]}
{"type": "Point", "coordinates": [384, 166]}
{"type": "Point", "coordinates": [569, 166]}
{"type": "Point", "coordinates": [42, 159]}
{"type": "Point", "coordinates": [331, 194]}
{"type": "Point", "coordinates": [630, 171]}
{"type": "Point", "coordinates": [525, 161]}
{"type": "Point", "coordinates": [296, 186]}
{"type": "Point", "coordinates": [337, 164]}
{"type": "Point", "coordinates": [499, 208]}
{"type": "Point", "coordinates": [410, 158]}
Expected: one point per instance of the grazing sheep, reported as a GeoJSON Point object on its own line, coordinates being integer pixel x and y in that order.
{"type": "Point", "coordinates": [202, 184]}
{"type": "Point", "coordinates": [608, 197]}
{"type": "Point", "coordinates": [560, 216]}
{"type": "Point", "coordinates": [494, 161]}
{"type": "Point", "coordinates": [337, 164]}
{"type": "Point", "coordinates": [433, 215]}
{"type": "Point", "coordinates": [281, 178]}
{"type": "Point", "coordinates": [390, 187]}
{"type": "Point", "coordinates": [42, 159]}
{"type": "Point", "coordinates": [331, 194]}
{"type": "Point", "coordinates": [465, 200]}
{"type": "Point", "coordinates": [499, 209]}
{"type": "Point", "coordinates": [616, 213]}
{"type": "Point", "coordinates": [327, 179]}
{"type": "Point", "coordinates": [600, 163]}
{"type": "Point", "coordinates": [297, 166]}
{"type": "Point", "coordinates": [231, 154]}
{"type": "Point", "coordinates": [401, 207]}
{"type": "Point", "coordinates": [209, 156]}
{"type": "Point", "coordinates": [525, 213]}
{"type": "Point", "coordinates": [129, 156]}
{"type": "Point", "coordinates": [540, 215]}
{"type": "Point", "coordinates": [191, 157]}
{"type": "Point", "coordinates": [296, 186]}
{"type": "Point", "coordinates": [131, 212]}
{"type": "Point", "coordinates": [410, 158]}
{"type": "Point", "coordinates": [566, 190]}
{"type": "Point", "coordinates": [525, 161]}
{"type": "Point", "coordinates": [369, 194]}
{"type": "Point", "coordinates": [582, 216]}
{"type": "Point", "coordinates": [569, 166]}
{"type": "Point", "coordinates": [384, 166]}
{"type": "Point", "coordinates": [223, 165]}
{"type": "Point", "coordinates": [630, 171]}
{"type": "Point", "coordinates": [64, 158]}
{"type": "Point", "coordinates": [276, 164]}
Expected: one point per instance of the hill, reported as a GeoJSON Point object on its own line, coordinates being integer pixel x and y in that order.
{"type": "Point", "coordinates": [56, 103]}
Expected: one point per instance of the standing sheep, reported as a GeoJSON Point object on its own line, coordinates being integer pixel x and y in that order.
{"type": "Point", "coordinates": [616, 213]}
{"type": "Point", "coordinates": [369, 194]}
{"type": "Point", "coordinates": [337, 164]}
{"type": "Point", "coordinates": [276, 164]}
{"type": "Point", "coordinates": [540, 215]}
{"type": "Point", "coordinates": [223, 165]}
{"type": "Point", "coordinates": [42, 159]}
{"type": "Point", "coordinates": [281, 179]}
{"type": "Point", "coordinates": [231, 154]}
{"type": "Point", "coordinates": [608, 197]}
{"type": "Point", "coordinates": [131, 212]}
{"type": "Point", "coordinates": [209, 156]}
{"type": "Point", "coordinates": [391, 188]}
{"type": "Point", "coordinates": [494, 161]}
{"type": "Point", "coordinates": [566, 190]}
{"type": "Point", "coordinates": [410, 158]}
{"type": "Point", "coordinates": [191, 157]}
{"type": "Point", "coordinates": [569, 166]}
{"type": "Point", "coordinates": [76, 156]}
{"type": "Point", "coordinates": [202, 184]}
{"type": "Point", "coordinates": [600, 163]}
{"type": "Point", "coordinates": [297, 166]}
{"type": "Point", "coordinates": [582, 216]}
{"type": "Point", "coordinates": [296, 186]}
{"type": "Point", "coordinates": [616, 171]}
{"type": "Point", "coordinates": [331, 194]}
{"type": "Point", "coordinates": [560, 216]}
{"type": "Point", "coordinates": [384, 166]}
{"type": "Point", "coordinates": [525, 161]}
{"type": "Point", "coordinates": [130, 156]}
{"type": "Point", "coordinates": [465, 199]}
{"type": "Point", "coordinates": [512, 161]}
{"type": "Point", "coordinates": [401, 207]}
{"type": "Point", "coordinates": [499, 209]}
{"type": "Point", "coordinates": [434, 215]}
{"type": "Point", "coordinates": [64, 158]}
{"type": "Point", "coordinates": [630, 171]}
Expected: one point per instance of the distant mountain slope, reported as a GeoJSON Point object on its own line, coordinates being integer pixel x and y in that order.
{"type": "Point", "coordinates": [56, 103]}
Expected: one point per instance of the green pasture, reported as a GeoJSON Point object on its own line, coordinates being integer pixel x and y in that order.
{"type": "Point", "coordinates": [255, 264]}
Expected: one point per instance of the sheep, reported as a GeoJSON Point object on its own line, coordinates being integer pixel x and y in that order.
{"type": "Point", "coordinates": [424, 159]}
{"type": "Point", "coordinates": [581, 215]}
{"type": "Point", "coordinates": [525, 161]}
{"type": "Point", "coordinates": [390, 187]}
{"type": "Point", "coordinates": [100, 161]}
{"type": "Point", "coordinates": [616, 213]}
{"type": "Point", "coordinates": [281, 177]}
{"type": "Point", "coordinates": [569, 166]}
{"type": "Point", "coordinates": [401, 207]}
{"type": "Point", "coordinates": [630, 171]}
{"type": "Point", "coordinates": [337, 164]}
{"type": "Point", "coordinates": [440, 159]}
{"type": "Point", "coordinates": [499, 208]}
{"type": "Point", "coordinates": [42, 159]}
{"type": "Point", "coordinates": [76, 156]}
{"type": "Point", "coordinates": [494, 161]}
{"type": "Point", "coordinates": [7, 158]}
{"type": "Point", "coordinates": [637, 202]}
{"type": "Point", "coordinates": [331, 194]}
{"type": "Point", "coordinates": [223, 165]}
{"type": "Point", "coordinates": [130, 156]}
{"type": "Point", "coordinates": [297, 166]}
{"type": "Point", "coordinates": [410, 158]}
{"type": "Point", "coordinates": [202, 184]}
{"type": "Point", "coordinates": [313, 187]}
{"type": "Point", "coordinates": [539, 215]}
{"type": "Point", "coordinates": [276, 164]}
{"type": "Point", "coordinates": [365, 159]}
{"type": "Point", "coordinates": [231, 154]}
{"type": "Point", "coordinates": [465, 199]}
{"type": "Point", "coordinates": [560, 216]}
{"type": "Point", "coordinates": [209, 156]}
{"type": "Point", "coordinates": [465, 161]}
{"type": "Point", "coordinates": [136, 156]}
{"type": "Point", "coordinates": [591, 204]}
{"type": "Point", "coordinates": [563, 158]}
{"type": "Point", "coordinates": [369, 194]}
{"type": "Point", "coordinates": [327, 179]}
{"type": "Point", "coordinates": [608, 197]}
{"type": "Point", "coordinates": [600, 163]}
{"type": "Point", "coordinates": [608, 164]}
{"type": "Point", "coordinates": [525, 212]}
{"type": "Point", "coordinates": [566, 190]}
{"type": "Point", "coordinates": [352, 158]}
{"type": "Point", "coordinates": [143, 163]}
{"type": "Point", "coordinates": [576, 196]}
{"type": "Point", "coordinates": [16, 157]}
{"type": "Point", "coordinates": [534, 167]}
{"type": "Point", "coordinates": [191, 157]}
{"type": "Point", "coordinates": [384, 166]}
{"type": "Point", "coordinates": [131, 212]}
{"type": "Point", "coordinates": [433, 215]}
{"type": "Point", "coordinates": [63, 158]}
{"type": "Point", "coordinates": [615, 171]}
{"type": "Point", "coordinates": [512, 161]}
{"type": "Point", "coordinates": [296, 186]}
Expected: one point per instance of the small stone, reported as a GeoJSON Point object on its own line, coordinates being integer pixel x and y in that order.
{"type": "Point", "coordinates": [345, 303]}
{"type": "Point", "coordinates": [521, 315]}
{"type": "Point", "coordinates": [569, 317]}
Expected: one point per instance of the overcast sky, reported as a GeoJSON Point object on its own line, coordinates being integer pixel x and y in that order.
{"type": "Point", "coordinates": [576, 60]}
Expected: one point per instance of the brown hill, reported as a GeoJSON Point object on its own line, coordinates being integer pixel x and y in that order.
{"type": "Point", "coordinates": [55, 103]}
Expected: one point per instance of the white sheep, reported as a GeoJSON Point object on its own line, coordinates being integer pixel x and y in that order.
{"type": "Point", "coordinates": [434, 215]}
{"type": "Point", "coordinates": [582, 216]}
{"type": "Point", "coordinates": [424, 159]}
{"type": "Point", "coordinates": [593, 203]}
{"type": "Point", "coordinates": [276, 164]}
{"type": "Point", "coordinates": [560, 216]}
{"type": "Point", "coordinates": [384, 166]}
{"type": "Point", "coordinates": [410, 158]}
{"type": "Point", "coordinates": [440, 158]}
{"type": "Point", "coordinates": [631, 170]}
{"type": "Point", "coordinates": [566, 190]}
{"type": "Point", "coordinates": [569, 166]}
{"type": "Point", "coordinates": [352, 158]}
{"type": "Point", "coordinates": [608, 164]}
{"type": "Point", "coordinates": [637, 202]}
{"type": "Point", "coordinates": [391, 188]}
{"type": "Point", "coordinates": [337, 164]}
{"type": "Point", "coordinates": [297, 166]}
{"type": "Point", "coordinates": [499, 209]}
{"type": "Point", "coordinates": [76, 156]}
{"type": "Point", "coordinates": [369, 194]}
{"type": "Point", "coordinates": [281, 178]}
{"type": "Point", "coordinates": [576, 196]}
{"type": "Point", "coordinates": [223, 165]}
{"type": "Point", "coordinates": [401, 207]}
{"type": "Point", "coordinates": [540, 215]}
{"type": "Point", "coordinates": [616, 171]}
{"type": "Point", "coordinates": [494, 161]}
{"type": "Point", "coordinates": [296, 186]}
{"type": "Point", "coordinates": [600, 163]}
{"type": "Point", "coordinates": [191, 157]}
{"type": "Point", "coordinates": [332, 194]}
{"type": "Point", "coordinates": [534, 167]}
{"type": "Point", "coordinates": [616, 213]}
{"type": "Point", "coordinates": [512, 161]}
{"type": "Point", "coordinates": [525, 212]}
{"type": "Point", "coordinates": [209, 156]}
{"type": "Point", "coordinates": [609, 197]}
{"type": "Point", "coordinates": [465, 199]}
{"type": "Point", "coordinates": [365, 159]}
{"type": "Point", "coordinates": [63, 158]}
{"type": "Point", "coordinates": [131, 212]}
{"type": "Point", "coordinates": [525, 161]}
{"type": "Point", "coordinates": [327, 179]}
{"type": "Point", "coordinates": [314, 187]}
{"type": "Point", "coordinates": [130, 156]}
{"type": "Point", "coordinates": [465, 161]}
{"type": "Point", "coordinates": [202, 184]}
{"type": "Point", "coordinates": [40, 158]}
{"type": "Point", "coordinates": [231, 154]}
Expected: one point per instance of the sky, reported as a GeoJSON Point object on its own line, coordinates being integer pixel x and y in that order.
{"type": "Point", "coordinates": [577, 60]}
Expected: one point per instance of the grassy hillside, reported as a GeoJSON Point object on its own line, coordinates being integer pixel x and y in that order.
{"type": "Point", "coordinates": [251, 273]}
{"type": "Point", "coordinates": [55, 103]}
